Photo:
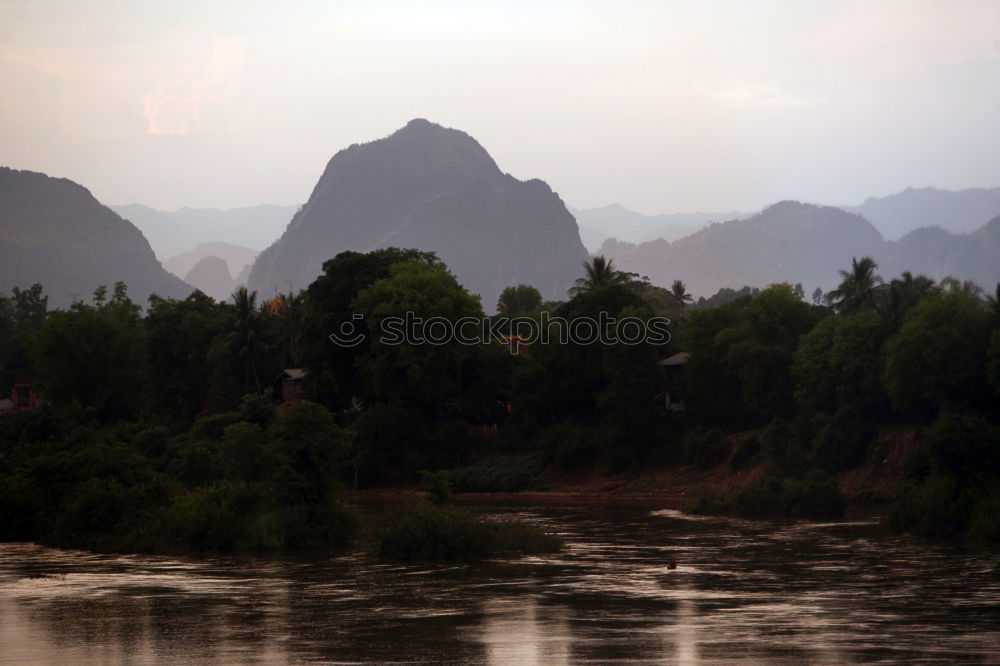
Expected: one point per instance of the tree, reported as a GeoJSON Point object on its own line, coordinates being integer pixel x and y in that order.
{"type": "Point", "coordinates": [332, 377]}
{"type": "Point", "coordinates": [94, 355]}
{"type": "Point", "coordinates": [600, 272]}
{"type": "Point", "coordinates": [901, 295]}
{"type": "Point", "coordinates": [30, 308]}
{"type": "Point", "coordinates": [741, 354]}
{"type": "Point", "coordinates": [680, 293]}
{"type": "Point", "coordinates": [520, 300]}
{"type": "Point", "coordinates": [245, 337]}
{"type": "Point", "coordinates": [938, 357]}
{"type": "Point", "coordinates": [818, 296]}
{"type": "Point", "coordinates": [415, 370]}
{"type": "Point", "coordinates": [179, 336]}
{"type": "Point", "coordinates": [837, 365]}
{"type": "Point", "coordinates": [859, 287]}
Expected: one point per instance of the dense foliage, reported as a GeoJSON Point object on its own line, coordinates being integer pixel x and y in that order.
{"type": "Point", "coordinates": [168, 428]}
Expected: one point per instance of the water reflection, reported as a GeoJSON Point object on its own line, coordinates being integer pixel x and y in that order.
{"type": "Point", "coordinates": [765, 593]}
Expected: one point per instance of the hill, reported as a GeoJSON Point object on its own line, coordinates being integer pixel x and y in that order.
{"type": "Point", "coordinates": [174, 232]}
{"type": "Point", "coordinates": [616, 221]}
{"type": "Point", "coordinates": [211, 275]}
{"type": "Point", "coordinates": [958, 212]}
{"type": "Point", "coordinates": [804, 243]}
{"type": "Point", "coordinates": [237, 258]}
{"type": "Point", "coordinates": [787, 242]}
{"type": "Point", "coordinates": [53, 231]}
{"type": "Point", "coordinates": [437, 189]}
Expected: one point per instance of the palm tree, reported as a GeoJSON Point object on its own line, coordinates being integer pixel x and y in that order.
{"type": "Point", "coordinates": [969, 287]}
{"type": "Point", "coordinates": [902, 294]}
{"type": "Point", "coordinates": [679, 291]}
{"type": "Point", "coordinates": [245, 336]}
{"type": "Point", "coordinates": [600, 273]}
{"type": "Point", "coordinates": [858, 288]}
{"type": "Point", "coordinates": [289, 325]}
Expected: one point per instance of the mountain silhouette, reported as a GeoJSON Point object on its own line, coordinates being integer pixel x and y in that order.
{"type": "Point", "coordinates": [958, 212]}
{"type": "Point", "coordinates": [171, 233]}
{"type": "Point", "coordinates": [436, 189]}
{"type": "Point", "coordinates": [54, 232]}
{"type": "Point", "coordinates": [211, 275]}
{"type": "Point", "coordinates": [808, 244]}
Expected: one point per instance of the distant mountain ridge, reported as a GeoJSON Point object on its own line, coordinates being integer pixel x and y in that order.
{"type": "Point", "coordinates": [236, 257]}
{"type": "Point", "coordinates": [54, 232]}
{"type": "Point", "coordinates": [437, 189]}
{"type": "Point", "coordinates": [958, 212]}
{"type": "Point", "coordinates": [616, 221]}
{"type": "Point", "coordinates": [171, 233]}
{"type": "Point", "coordinates": [211, 275]}
{"type": "Point", "coordinates": [805, 243]}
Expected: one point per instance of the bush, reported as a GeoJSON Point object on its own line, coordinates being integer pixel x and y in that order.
{"type": "Point", "coordinates": [504, 475]}
{"type": "Point", "coordinates": [841, 443]}
{"type": "Point", "coordinates": [704, 448]}
{"type": "Point", "coordinates": [786, 452]}
{"type": "Point", "coordinates": [815, 496]}
{"type": "Point", "coordinates": [436, 483]}
{"type": "Point", "coordinates": [953, 478]}
{"type": "Point", "coordinates": [746, 451]}
{"type": "Point", "coordinates": [446, 532]}
{"type": "Point", "coordinates": [213, 426]}
{"type": "Point", "coordinates": [574, 446]}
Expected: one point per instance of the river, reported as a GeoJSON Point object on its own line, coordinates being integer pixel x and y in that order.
{"type": "Point", "coordinates": [743, 592]}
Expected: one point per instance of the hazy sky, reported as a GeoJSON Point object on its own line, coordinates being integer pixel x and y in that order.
{"type": "Point", "coordinates": [660, 106]}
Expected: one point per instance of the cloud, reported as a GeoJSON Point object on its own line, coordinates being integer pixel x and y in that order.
{"type": "Point", "coordinates": [180, 106]}
{"type": "Point", "coordinates": [744, 95]}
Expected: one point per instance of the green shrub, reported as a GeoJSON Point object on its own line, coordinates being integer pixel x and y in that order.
{"type": "Point", "coordinates": [746, 451]}
{"type": "Point", "coordinates": [447, 532]}
{"type": "Point", "coordinates": [815, 496]}
{"type": "Point", "coordinates": [704, 447]}
{"type": "Point", "coordinates": [841, 443]}
{"type": "Point", "coordinates": [492, 475]}
{"type": "Point", "coordinates": [575, 446]}
{"type": "Point", "coordinates": [213, 426]}
{"type": "Point", "coordinates": [786, 452]}
{"type": "Point", "coordinates": [436, 483]}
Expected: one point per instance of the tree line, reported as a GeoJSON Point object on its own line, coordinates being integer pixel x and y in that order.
{"type": "Point", "coordinates": [163, 427]}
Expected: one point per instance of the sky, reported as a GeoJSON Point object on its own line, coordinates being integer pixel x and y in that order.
{"type": "Point", "coordinates": [659, 106]}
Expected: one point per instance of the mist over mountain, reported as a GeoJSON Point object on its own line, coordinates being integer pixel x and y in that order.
{"type": "Point", "coordinates": [174, 232]}
{"type": "Point", "coordinates": [938, 253]}
{"type": "Point", "coordinates": [960, 212]}
{"type": "Point", "coordinates": [436, 189]}
{"type": "Point", "coordinates": [620, 223]}
{"type": "Point", "coordinates": [236, 257]}
{"type": "Point", "coordinates": [53, 231]}
{"type": "Point", "coordinates": [211, 275]}
{"type": "Point", "coordinates": [805, 243]}
{"type": "Point", "coordinates": [787, 242]}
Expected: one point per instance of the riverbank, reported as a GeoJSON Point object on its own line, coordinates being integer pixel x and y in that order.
{"type": "Point", "coordinates": [867, 488]}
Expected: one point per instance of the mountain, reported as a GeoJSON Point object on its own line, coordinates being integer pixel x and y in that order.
{"type": "Point", "coordinates": [54, 231]}
{"type": "Point", "coordinates": [616, 221]}
{"type": "Point", "coordinates": [211, 275]}
{"type": "Point", "coordinates": [437, 189]}
{"type": "Point", "coordinates": [937, 253]}
{"type": "Point", "coordinates": [236, 257]}
{"type": "Point", "coordinates": [787, 242]}
{"type": "Point", "coordinates": [960, 212]}
{"type": "Point", "coordinates": [173, 232]}
{"type": "Point", "coordinates": [808, 244]}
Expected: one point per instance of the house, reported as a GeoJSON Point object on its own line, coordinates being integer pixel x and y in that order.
{"type": "Point", "coordinates": [288, 386]}
{"type": "Point", "coordinates": [674, 366]}
{"type": "Point", "coordinates": [23, 397]}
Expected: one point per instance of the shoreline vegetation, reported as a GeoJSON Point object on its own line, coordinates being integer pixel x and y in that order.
{"type": "Point", "coordinates": [201, 426]}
